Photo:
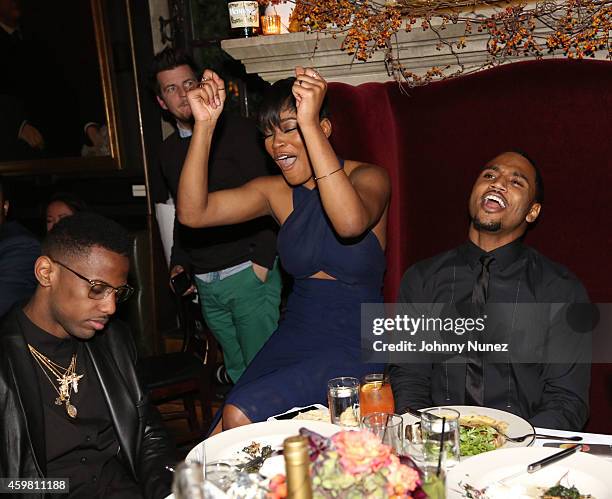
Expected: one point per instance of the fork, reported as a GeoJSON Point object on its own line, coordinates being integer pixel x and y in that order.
{"type": "Point", "coordinates": [522, 438]}
{"type": "Point", "coordinates": [256, 463]}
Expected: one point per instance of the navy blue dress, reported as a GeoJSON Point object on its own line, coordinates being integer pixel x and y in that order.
{"type": "Point", "coordinates": [319, 336]}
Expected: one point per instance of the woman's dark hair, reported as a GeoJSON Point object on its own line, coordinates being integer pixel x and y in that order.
{"type": "Point", "coordinates": [277, 99]}
{"type": "Point", "coordinates": [73, 202]}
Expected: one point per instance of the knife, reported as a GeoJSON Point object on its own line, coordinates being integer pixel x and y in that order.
{"type": "Point", "coordinates": [596, 449]}
{"type": "Point", "coordinates": [538, 465]}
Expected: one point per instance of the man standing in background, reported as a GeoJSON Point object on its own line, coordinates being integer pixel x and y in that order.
{"type": "Point", "coordinates": [233, 267]}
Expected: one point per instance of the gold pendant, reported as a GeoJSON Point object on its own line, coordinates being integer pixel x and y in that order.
{"type": "Point", "coordinates": [71, 410]}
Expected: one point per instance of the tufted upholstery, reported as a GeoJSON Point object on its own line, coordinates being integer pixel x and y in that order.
{"type": "Point", "coordinates": [432, 141]}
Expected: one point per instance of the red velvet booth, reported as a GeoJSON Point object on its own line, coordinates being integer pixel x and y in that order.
{"type": "Point", "coordinates": [433, 139]}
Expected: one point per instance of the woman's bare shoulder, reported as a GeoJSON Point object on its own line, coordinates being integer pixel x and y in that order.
{"type": "Point", "coordinates": [357, 169]}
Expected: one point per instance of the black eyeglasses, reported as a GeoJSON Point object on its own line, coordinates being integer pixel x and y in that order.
{"type": "Point", "coordinates": [98, 290]}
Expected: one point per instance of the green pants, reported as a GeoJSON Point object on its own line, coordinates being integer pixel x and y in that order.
{"type": "Point", "coordinates": [242, 312]}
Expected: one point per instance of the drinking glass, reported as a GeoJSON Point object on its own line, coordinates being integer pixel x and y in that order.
{"type": "Point", "coordinates": [388, 427]}
{"type": "Point", "coordinates": [414, 442]}
{"type": "Point", "coordinates": [375, 395]}
{"type": "Point", "coordinates": [432, 423]}
{"type": "Point", "coordinates": [433, 484]}
{"type": "Point", "coordinates": [188, 480]}
{"type": "Point", "coordinates": [343, 400]}
{"type": "Point", "coordinates": [223, 475]}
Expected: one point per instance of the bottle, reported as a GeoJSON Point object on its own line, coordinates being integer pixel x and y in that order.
{"type": "Point", "coordinates": [297, 464]}
{"type": "Point", "coordinates": [244, 18]}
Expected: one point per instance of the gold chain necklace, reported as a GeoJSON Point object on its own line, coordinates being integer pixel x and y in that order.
{"type": "Point", "coordinates": [66, 377]}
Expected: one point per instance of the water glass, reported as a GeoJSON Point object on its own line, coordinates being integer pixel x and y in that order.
{"type": "Point", "coordinates": [188, 480]}
{"type": "Point", "coordinates": [388, 427]}
{"type": "Point", "coordinates": [413, 445]}
{"type": "Point", "coordinates": [440, 426]}
{"type": "Point", "coordinates": [222, 475]}
{"type": "Point", "coordinates": [375, 394]}
{"type": "Point", "coordinates": [343, 400]}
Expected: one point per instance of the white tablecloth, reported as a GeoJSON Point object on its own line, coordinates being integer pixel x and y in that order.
{"type": "Point", "coordinates": [587, 438]}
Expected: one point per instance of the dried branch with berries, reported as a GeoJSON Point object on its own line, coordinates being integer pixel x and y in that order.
{"type": "Point", "coordinates": [575, 28]}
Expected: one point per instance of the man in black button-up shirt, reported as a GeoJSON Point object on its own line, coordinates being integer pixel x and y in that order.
{"type": "Point", "coordinates": [505, 199]}
{"type": "Point", "coordinates": [97, 428]}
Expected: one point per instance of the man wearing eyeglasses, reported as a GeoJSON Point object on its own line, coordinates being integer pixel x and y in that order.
{"type": "Point", "coordinates": [72, 404]}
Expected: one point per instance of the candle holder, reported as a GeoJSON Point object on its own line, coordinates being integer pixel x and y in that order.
{"type": "Point", "coordinates": [271, 25]}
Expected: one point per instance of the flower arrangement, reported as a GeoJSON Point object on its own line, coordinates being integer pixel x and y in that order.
{"type": "Point", "coordinates": [355, 465]}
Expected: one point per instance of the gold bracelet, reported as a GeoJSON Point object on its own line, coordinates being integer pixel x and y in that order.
{"type": "Point", "coordinates": [323, 176]}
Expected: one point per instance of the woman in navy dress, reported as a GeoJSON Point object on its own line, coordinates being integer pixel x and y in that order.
{"type": "Point", "coordinates": [333, 217]}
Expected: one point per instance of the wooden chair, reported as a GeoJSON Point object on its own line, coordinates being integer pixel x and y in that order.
{"type": "Point", "coordinates": [184, 376]}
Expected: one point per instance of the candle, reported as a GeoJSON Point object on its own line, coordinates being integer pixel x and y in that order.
{"type": "Point", "coordinates": [271, 25]}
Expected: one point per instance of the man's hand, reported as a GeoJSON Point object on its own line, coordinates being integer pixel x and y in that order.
{"type": "Point", "coordinates": [94, 135]}
{"type": "Point", "coordinates": [309, 90]}
{"type": "Point", "coordinates": [32, 137]}
{"type": "Point", "coordinates": [261, 272]}
{"type": "Point", "coordinates": [207, 100]}
{"type": "Point", "coordinates": [177, 269]}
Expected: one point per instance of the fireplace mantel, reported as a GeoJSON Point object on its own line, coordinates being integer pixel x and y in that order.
{"type": "Point", "coordinates": [275, 57]}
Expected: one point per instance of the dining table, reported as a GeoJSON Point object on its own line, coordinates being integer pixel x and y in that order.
{"type": "Point", "coordinates": [599, 445]}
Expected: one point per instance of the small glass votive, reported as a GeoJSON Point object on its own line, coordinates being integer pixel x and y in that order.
{"type": "Point", "coordinates": [343, 400]}
{"type": "Point", "coordinates": [271, 25]}
{"type": "Point", "coordinates": [388, 427]}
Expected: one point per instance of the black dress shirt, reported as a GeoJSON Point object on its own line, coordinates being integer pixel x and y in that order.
{"type": "Point", "coordinates": [552, 395]}
{"type": "Point", "coordinates": [236, 158]}
{"type": "Point", "coordinates": [84, 449]}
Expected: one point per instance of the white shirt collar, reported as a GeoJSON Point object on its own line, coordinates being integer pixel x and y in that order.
{"type": "Point", "coordinates": [184, 133]}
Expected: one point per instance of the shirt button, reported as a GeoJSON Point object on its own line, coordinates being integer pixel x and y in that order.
{"type": "Point", "coordinates": [94, 478]}
{"type": "Point", "coordinates": [87, 438]}
{"type": "Point", "coordinates": [83, 460]}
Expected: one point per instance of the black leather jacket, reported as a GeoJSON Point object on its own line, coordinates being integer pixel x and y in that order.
{"type": "Point", "coordinates": [145, 445]}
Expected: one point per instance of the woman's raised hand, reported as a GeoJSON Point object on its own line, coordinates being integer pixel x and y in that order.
{"type": "Point", "coordinates": [309, 90]}
{"type": "Point", "coordinates": [206, 101]}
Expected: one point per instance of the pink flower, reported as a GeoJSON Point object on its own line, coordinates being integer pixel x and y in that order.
{"type": "Point", "coordinates": [361, 451]}
{"type": "Point", "coordinates": [401, 479]}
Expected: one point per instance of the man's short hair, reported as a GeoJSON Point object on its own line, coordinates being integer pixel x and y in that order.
{"type": "Point", "coordinates": [76, 235]}
{"type": "Point", "coordinates": [539, 181]}
{"type": "Point", "coordinates": [168, 58]}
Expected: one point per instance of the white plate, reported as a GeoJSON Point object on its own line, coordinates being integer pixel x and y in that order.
{"type": "Point", "coordinates": [590, 474]}
{"type": "Point", "coordinates": [517, 426]}
{"type": "Point", "coordinates": [227, 446]}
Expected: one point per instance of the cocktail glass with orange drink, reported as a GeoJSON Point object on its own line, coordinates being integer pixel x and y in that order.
{"type": "Point", "coordinates": [375, 395]}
